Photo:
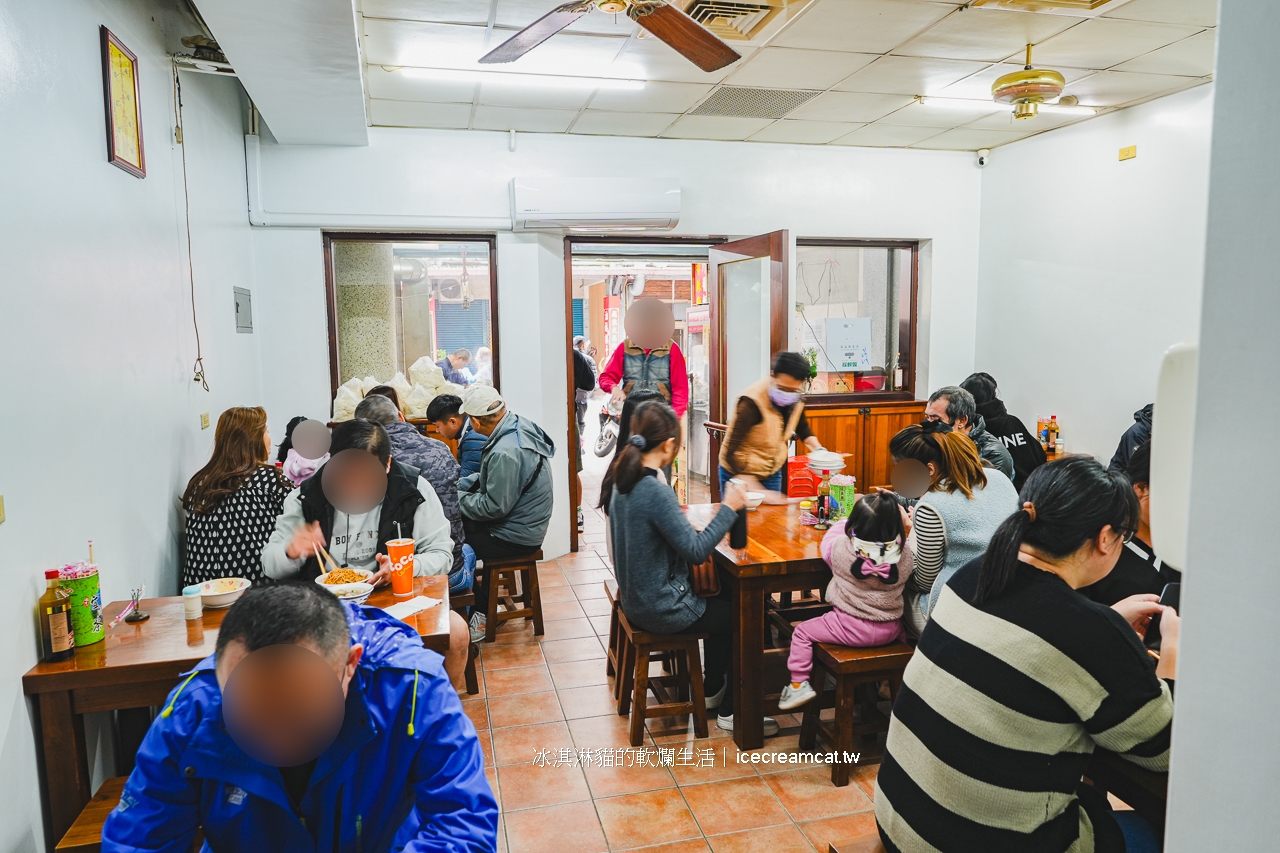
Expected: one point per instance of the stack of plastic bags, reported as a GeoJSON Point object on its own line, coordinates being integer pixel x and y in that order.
{"type": "Point", "coordinates": [425, 383]}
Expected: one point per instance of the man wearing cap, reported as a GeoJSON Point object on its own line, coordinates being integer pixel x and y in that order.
{"type": "Point", "coordinates": [506, 507]}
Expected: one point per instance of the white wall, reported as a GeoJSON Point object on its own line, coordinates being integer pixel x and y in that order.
{"type": "Point", "coordinates": [100, 429]}
{"type": "Point", "coordinates": [1226, 733]}
{"type": "Point", "coordinates": [1092, 267]}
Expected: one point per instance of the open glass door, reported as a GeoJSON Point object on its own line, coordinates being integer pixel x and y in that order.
{"type": "Point", "coordinates": [748, 284]}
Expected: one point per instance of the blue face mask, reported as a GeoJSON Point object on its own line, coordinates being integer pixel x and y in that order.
{"type": "Point", "coordinates": [784, 398]}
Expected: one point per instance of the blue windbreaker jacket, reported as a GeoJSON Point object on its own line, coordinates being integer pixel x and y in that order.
{"type": "Point", "coordinates": [406, 772]}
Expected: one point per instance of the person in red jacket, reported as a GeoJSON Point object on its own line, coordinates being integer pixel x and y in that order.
{"type": "Point", "coordinates": [648, 357]}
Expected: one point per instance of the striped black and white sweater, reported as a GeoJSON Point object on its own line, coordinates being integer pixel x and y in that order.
{"type": "Point", "coordinates": [1002, 705]}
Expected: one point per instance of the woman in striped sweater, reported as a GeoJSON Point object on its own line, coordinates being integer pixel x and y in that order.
{"type": "Point", "coordinates": [1018, 678]}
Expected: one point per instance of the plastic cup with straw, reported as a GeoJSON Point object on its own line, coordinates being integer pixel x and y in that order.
{"type": "Point", "coordinates": [400, 552]}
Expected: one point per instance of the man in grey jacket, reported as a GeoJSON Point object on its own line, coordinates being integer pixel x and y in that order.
{"type": "Point", "coordinates": [954, 406]}
{"type": "Point", "coordinates": [506, 507]}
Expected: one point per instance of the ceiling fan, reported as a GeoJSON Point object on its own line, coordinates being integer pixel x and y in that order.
{"type": "Point", "coordinates": [665, 21]}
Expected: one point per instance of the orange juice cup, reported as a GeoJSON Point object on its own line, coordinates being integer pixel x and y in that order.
{"type": "Point", "coordinates": [401, 553]}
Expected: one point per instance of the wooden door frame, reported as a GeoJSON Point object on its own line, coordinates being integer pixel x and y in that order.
{"type": "Point", "coordinates": [331, 285]}
{"type": "Point", "coordinates": [575, 488]}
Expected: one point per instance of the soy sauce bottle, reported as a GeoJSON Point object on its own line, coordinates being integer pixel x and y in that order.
{"type": "Point", "coordinates": [56, 639]}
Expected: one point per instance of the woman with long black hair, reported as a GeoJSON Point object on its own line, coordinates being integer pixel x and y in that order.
{"type": "Point", "coordinates": [1018, 678]}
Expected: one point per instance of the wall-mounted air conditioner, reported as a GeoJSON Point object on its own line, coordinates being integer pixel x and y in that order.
{"type": "Point", "coordinates": [595, 204]}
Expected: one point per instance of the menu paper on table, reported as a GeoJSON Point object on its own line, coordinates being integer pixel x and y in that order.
{"type": "Point", "coordinates": [417, 604]}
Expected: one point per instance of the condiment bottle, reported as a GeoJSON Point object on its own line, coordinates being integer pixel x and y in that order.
{"type": "Point", "coordinates": [192, 602]}
{"type": "Point", "coordinates": [824, 502]}
{"type": "Point", "coordinates": [57, 642]}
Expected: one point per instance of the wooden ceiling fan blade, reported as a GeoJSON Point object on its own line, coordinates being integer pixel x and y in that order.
{"type": "Point", "coordinates": [684, 34]}
{"type": "Point", "coordinates": [538, 32]}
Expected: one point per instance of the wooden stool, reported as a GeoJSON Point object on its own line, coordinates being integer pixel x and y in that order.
{"type": "Point", "coordinates": [85, 835]}
{"type": "Point", "coordinates": [519, 575]}
{"type": "Point", "coordinates": [869, 843]}
{"type": "Point", "coordinates": [849, 667]}
{"type": "Point", "coordinates": [678, 694]}
{"type": "Point", "coordinates": [459, 604]}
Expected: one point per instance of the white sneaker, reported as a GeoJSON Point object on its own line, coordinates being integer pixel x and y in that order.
{"type": "Point", "coordinates": [714, 701]}
{"type": "Point", "coordinates": [770, 724]}
{"type": "Point", "coordinates": [478, 625]}
{"type": "Point", "coordinates": [794, 697]}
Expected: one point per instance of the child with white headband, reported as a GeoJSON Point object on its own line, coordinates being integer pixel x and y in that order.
{"type": "Point", "coordinates": [870, 561]}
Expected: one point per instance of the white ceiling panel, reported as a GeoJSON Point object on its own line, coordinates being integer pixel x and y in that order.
{"type": "Point", "coordinates": [515, 118]}
{"type": "Point", "coordinates": [507, 95]}
{"type": "Point", "coordinates": [517, 14]}
{"type": "Point", "coordinates": [623, 124]}
{"type": "Point", "coordinates": [411, 114]}
{"type": "Point", "coordinates": [969, 139]}
{"type": "Point", "coordinates": [909, 75]}
{"type": "Point", "coordinates": [1191, 57]}
{"type": "Point", "coordinates": [650, 59]}
{"type": "Point", "coordinates": [1197, 13]}
{"type": "Point", "coordinates": [715, 127]}
{"type": "Point", "coordinates": [929, 114]}
{"type": "Point", "coordinates": [398, 86]}
{"type": "Point", "coordinates": [812, 132]}
{"type": "Point", "coordinates": [1104, 42]}
{"type": "Point", "coordinates": [1111, 88]}
{"type": "Point", "coordinates": [862, 26]}
{"type": "Point", "coordinates": [791, 68]}
{"type": "Point", "coordinates": [888, 136]}
{"type": "Point", "coordinates": [989, 35]}
{"type": "Point", "coordinates": [442, 11]}
{"type": "Point", "coordinates": [979, 85]}
{"type": "Point", "coordinates": [653, 98]}
{"type": "Point", "coordinates": [850, 106]}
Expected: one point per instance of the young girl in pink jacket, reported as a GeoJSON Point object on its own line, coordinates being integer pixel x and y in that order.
{"type": "Point", "coordinates": [870, 561]}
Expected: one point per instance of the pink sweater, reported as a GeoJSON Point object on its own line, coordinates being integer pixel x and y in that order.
{"type": "Point", "coordinates": [870, 598]}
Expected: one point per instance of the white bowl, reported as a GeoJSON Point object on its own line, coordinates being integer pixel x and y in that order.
{"type": "Point", "coordinates": [356, 593]}
{"type": "Point", "coordinates": [832, 463]}
{"type": "Point", "coordinates": [222, 592]}
{"type": "Point", "coordinates": [754, 499]}
{"type": "Point", "coordinates": [364, 573]}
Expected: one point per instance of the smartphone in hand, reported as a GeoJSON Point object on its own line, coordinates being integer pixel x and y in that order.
{"type": "Point", "coordinates": [1169, 598]}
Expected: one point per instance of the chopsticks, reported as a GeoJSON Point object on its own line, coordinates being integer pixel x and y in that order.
{"type": "Point", "coordinates": [327, 562]}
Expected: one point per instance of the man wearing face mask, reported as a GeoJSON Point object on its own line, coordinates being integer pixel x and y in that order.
{"type": "Point", "coordinates": [404, 772]}
{"type": "Point", "coordinates": [765, 418]}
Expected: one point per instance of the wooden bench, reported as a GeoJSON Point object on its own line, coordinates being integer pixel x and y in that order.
{"type": "Point", "coordinates": [519, 577]}
{"type": "Point", "coordinates": [85, 835]}
{"type": "Point", "coordinates": [617, 639]}
{"type": "Point", "coordinates": [850, 668]}
{"type": "Point", "coordinates": [678, 694]}
{"type": "Point", "coordinates": [459, 604]}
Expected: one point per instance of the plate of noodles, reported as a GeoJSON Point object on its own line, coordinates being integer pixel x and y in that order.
{"type": "Point", "coordinates": [348, 584]}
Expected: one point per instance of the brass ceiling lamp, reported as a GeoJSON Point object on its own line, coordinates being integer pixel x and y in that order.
{"type": "Point", "coordinates": [1028, 89]}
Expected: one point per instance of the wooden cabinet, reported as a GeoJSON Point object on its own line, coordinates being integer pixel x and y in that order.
{"type": "Point", "coordinates": [864, 431]}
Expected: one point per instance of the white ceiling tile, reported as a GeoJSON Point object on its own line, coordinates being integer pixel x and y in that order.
{"type": "Point", "coordinates": [1004, 120]}
{"type": "Point", "coordinates": [968, 139]}
{"type": "Point", "coordinates": [816, 132]}
{"type": "Point", "coordinates": [714, 127]}
{"type": "Point", "coordinates": [989, 35]}
{"type": "Point", "coordinates": [623, 124]}
{"type": "Point", "coordinates": [861, 26]}
{"type": "Point", "coordinates": [979, 85]}
{"type": "Point", "coordinates": [517, 14]}
{"type": "Point", "coordinates": [443, 11]}
{"type": "Point", "coordinates": [888, 136]}
{"type": "Point", "coordinates": [850, 106]}
{"type": "Point", "coordinates": [791, 68]}
{"type": "Point", "coordinates": [934, 114]}
{"type": "Point", "coordinates": [507, 95]}
{"type": "Point", "coordinates": [908, 75]}
{"type": "Point", "coordinates": [515, 118]}
{"type": "Point", "coordinates": [1198, 13]}
{"type": "Point", "coordinates": [410, 114]}
{"type": "Point", "coordinates": [1191, 57]}
{"type": "Point", "coordinates": [398, 86]}
{"type": "Point", "coordinates": [654, 97]}
{"type": "Point", "coordinates": [1104, 42]}
{"type": "Point", "coordinates": [651, 59]}
{"type": "Point", "coordinates": [1113, 88]}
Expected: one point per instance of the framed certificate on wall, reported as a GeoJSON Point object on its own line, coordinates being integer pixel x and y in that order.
{"type": "Point", "coordinates": [124, 120]}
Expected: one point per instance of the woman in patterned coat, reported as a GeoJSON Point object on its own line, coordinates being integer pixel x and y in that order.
{"type": "Point", "coordinates": [232, 502]}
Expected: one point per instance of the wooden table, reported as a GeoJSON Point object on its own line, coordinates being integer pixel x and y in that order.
{"type": "Point", "coordinates": [132, 670]}
{"type": "Point", "coordinates": [781, 556]}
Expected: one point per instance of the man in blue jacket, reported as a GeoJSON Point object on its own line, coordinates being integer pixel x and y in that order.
{"type": "Point", "coordinates": [405, 771]}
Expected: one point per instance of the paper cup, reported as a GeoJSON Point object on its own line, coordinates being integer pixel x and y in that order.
{"type": "Point", "coordinates": [86, 608]}
{"type": "Point", "coordinates": [401, 553]}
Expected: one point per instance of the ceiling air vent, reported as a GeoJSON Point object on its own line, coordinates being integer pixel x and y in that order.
{"type": "Point", "coordinates": [749, 102]}
{"type": "Point", "coordinates": [1038, 5]}
{"type": "Point", "coordinates": [736, 21]}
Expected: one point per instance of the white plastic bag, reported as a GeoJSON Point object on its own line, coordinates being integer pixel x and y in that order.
{"type": "Point", "coordinates": [417, 401]}
{"type": "Point", "coordinates": [355, 385]}
{"type": "Point", "coordinates": [344, 404]}
{"type": "Point", "coordinates": [368, 385]}
{"type": "Point", "coordinates": [403, 390]}
{"type": "Point", "coordinates": [426, 373]}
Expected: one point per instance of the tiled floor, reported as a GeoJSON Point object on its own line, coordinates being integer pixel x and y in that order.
{"type": "Point", "coordinates": [551, 693]}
